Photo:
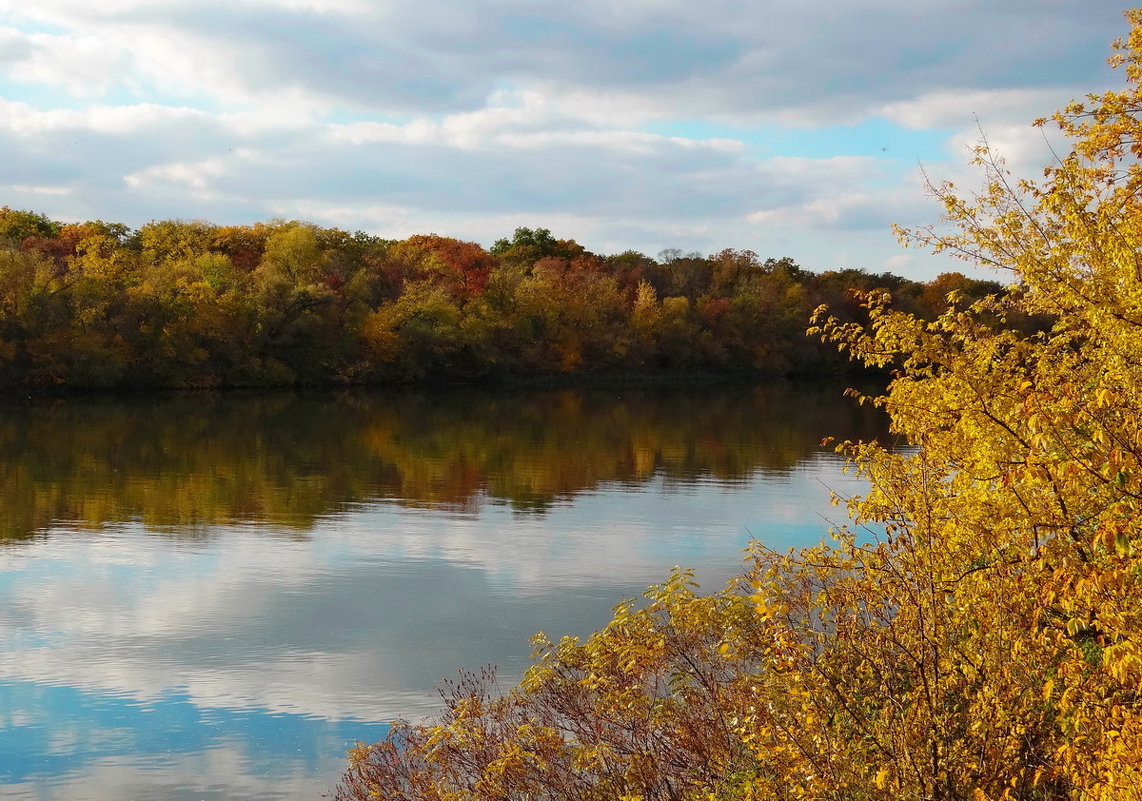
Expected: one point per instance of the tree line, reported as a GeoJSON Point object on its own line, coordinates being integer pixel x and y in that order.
{"type": "Point", "coordinates": [194, 304]}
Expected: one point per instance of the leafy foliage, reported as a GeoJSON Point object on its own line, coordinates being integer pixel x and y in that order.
{"type": "Point", "coordinates": [193, 304]}
{"type": "Point", "coordinates": [975, 633]}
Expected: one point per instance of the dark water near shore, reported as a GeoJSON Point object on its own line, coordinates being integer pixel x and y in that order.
{"type": "Point", "coordinates": [215, 596]}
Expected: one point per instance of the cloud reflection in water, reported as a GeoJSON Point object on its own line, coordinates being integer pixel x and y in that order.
{"type": "Point", "coordinates": [240, 659]}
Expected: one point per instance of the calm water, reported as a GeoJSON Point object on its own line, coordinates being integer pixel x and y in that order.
{"type": "Point", "coordinates": [213, 597]}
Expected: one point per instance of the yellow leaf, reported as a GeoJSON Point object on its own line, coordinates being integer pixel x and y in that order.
{"type": "Point", "coordinates": [882, 778]}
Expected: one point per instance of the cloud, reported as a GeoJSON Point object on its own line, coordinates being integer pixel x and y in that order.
{"type": "Point", "coordinates": [462, 118]}
{"type": "Point", "coordinates": [952, 108]}
{"type": "Point", "coordinates": [736, 60]}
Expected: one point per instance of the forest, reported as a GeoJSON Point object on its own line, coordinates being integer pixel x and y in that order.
{"type": "Point", "coordinates": [191, 304]}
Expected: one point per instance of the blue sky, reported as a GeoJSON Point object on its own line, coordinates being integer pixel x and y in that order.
{"type": "Point", "coordinates": [790, 128]}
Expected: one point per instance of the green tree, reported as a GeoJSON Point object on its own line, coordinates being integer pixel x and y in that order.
{"type": "Point", "coordinates": [17, 225]}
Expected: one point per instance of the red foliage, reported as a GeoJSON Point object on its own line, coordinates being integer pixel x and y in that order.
{"type": "Point", "coordinates": [466, 264]}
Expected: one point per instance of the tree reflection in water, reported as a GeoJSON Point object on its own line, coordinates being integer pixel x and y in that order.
{"type": "Point", "coordinates": [183, 463]}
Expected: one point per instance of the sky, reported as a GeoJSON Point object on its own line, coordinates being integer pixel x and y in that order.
{"type": "Point", "coordinates": [801, 129]}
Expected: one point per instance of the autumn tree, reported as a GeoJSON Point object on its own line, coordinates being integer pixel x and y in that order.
{"type": "Point", "coordinates": [16, 225]}
{"type": "Point", "coordinates": [460, 268]}
{"type": "Point", "coordinates": [571, 311]}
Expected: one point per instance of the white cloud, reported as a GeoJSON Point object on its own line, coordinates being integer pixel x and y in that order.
{"type": "Point", "coordinates": [83, 65]}
{"type": "Point", "coordinates": [629, 141]}
{"type": "Point", "coordinates": [460, 119]}
{"type": "Point", "coordinates": [738, 60]}
{"type": "Point", "coordinates": [352, 8]}
{"type": "Point", "coordinates": [819, 212]}
{"type": "Point", "coordinates": [197, 177]}
{"type": "Point", "coordinates": [28, 121]}
{"type": "Point", "coordinates": [525, 120]}
{"type": "Point", "coordinates": [957, 108]}
{"type": "Point", "coordinates": [24, 189]}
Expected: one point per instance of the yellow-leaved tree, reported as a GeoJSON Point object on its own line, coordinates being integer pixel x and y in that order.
{"type": "Point", "coordinates": [976, 633]}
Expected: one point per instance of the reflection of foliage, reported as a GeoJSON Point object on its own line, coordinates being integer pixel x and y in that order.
{"type": "Point", "coordinates": [985, 646]}
{"type": "Point", "coordinates": [190, 461]}
{"type": "Point", "coordinates": [532, 448]}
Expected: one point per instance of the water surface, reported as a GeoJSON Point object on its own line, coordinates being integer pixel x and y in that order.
{"type": "Point", "coordinates": [215, 596]}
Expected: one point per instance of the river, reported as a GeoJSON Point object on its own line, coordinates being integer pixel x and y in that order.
{"type": "Point", "coordinates": [213, 596]}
